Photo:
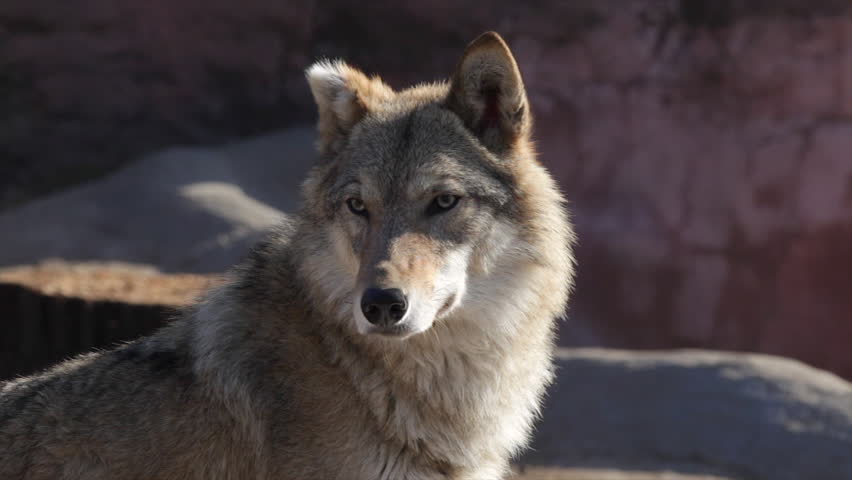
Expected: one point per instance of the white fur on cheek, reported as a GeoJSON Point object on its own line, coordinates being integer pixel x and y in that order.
{"type": "Point", "coordinates": [332, 274]}
{"type": "Point", "coordinates": [499, 241]}
{"type": "Point", "coordinates": [450, 283]}
{"type": "Point", "coordinates": [343, 249]}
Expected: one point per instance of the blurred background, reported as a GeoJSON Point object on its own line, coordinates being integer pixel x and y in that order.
{"type": "Point", "coordinates": [705, 146]}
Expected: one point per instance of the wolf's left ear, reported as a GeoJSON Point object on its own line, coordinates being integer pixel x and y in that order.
{"type": "Point", "coordinates": [487, 92]}
{"type": "Point", "coordinates": [344, 96]}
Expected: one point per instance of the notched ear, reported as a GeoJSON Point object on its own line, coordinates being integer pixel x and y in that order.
{"type": "Point", "coordinates": [344, 96]}
{"type": "Point", "coordinates": [487, 92]}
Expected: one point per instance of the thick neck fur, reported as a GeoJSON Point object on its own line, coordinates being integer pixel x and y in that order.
{"type": "Point", "coordinates": [462, 395]}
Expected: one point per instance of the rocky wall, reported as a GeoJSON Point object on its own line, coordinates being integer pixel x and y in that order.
{"type": "Point", "coordinates": [706, 146]}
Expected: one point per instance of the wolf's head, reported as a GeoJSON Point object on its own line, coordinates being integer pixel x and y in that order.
{"type": "Point", "coordinates": [421, 194]}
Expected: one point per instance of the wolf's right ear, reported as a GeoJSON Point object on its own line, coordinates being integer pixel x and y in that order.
{"type": "Point", "coordinates": [344, 96]}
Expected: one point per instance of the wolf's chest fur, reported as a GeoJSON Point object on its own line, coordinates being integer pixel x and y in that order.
{"type": "Point", "coordinates": [456, 403]}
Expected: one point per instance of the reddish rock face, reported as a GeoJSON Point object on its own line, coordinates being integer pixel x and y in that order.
{"type": "Point", "coordinates": [711, 173]}
{"type": "Point", "coordinates": [814, 310]}
{"type": "Point", "coordinates": [85, 86]}
{"type": "Point", "coordinates": [706, 146]}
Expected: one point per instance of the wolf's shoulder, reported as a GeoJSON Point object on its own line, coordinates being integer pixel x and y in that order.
{"type": "Point", "coordinates": [118, 372]}
{"type": "Point", "coordinates": [20, 393]}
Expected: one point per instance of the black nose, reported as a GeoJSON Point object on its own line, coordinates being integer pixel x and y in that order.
{"type": "Point", "coordinates": [383, 307]}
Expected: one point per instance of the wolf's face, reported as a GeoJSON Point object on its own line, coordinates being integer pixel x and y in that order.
{"type": "Point", "coordinates": [412, 199]}
{"type": "Point", "coordinates": [416, 188]}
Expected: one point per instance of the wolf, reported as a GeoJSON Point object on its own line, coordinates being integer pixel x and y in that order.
{"type": "Point", "coordinates": [399, 326]}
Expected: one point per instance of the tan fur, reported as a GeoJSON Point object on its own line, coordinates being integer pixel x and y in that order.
{"type": "Point", "coordinates": [271, 375]}
{"type": "Point", "coordinates": [412, 259]}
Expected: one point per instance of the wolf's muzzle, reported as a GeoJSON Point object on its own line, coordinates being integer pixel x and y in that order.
{"type": "Point", "coordinates": [383, 307]}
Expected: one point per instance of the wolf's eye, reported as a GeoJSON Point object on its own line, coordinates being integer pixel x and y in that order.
{"type": "Point", "coordinates": [356, 206]}
{"type": "Point", "coordinates": [443, 203]}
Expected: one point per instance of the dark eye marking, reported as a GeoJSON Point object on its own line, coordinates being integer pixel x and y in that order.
{"type": "Point", "coordinates": [443, 203]}
{"type": "Point", "coordinates": [357, 206]}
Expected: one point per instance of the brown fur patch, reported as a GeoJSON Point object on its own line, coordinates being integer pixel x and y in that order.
{"type": "Point", "coordinates": [414, 262]}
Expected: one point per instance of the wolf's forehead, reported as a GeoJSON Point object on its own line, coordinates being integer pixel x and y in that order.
{"type": "Point", "coordinates": [407, 139]}
{"type": "Point", "coordinates": [419, 148]}
{"type": "Point", "coordinates": [401, 161]}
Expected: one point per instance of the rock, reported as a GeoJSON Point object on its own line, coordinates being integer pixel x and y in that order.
{"type": "Point", "coordinates": [56, 310]}
{"type": "Point", "coordinates": [85, 88]}
{"type": "Point", "coordinates": [704, 144]}
{"type": "Point", "coordinates": [102, 282]}
{"type": "Point", "coordinates": [733, 415]}
{"type": "Point", "coordinates": [604, 474]}
{"type": "Point", "coordinates": [190, 210]}
{"type": "Point", "coordinates": [692, 144]}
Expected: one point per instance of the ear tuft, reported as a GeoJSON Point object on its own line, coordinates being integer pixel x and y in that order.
{"type": "Point", "coordinates": [332, 92]}
{"type": "Point", "coordinates": [487, 92]}
{"type": "Point", "coordinates": [343, 96]}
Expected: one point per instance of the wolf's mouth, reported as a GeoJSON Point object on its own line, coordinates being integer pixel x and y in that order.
{"type": "Point", "coordinates": [393, 331]}
{"type": "Point", "coordinates": [449, 303]}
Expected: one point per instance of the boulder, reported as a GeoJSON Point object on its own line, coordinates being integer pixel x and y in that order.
{"type": "Point", "coordinates": [184, 209]}
{"type": "Point", "coordinates": [742, 416]}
